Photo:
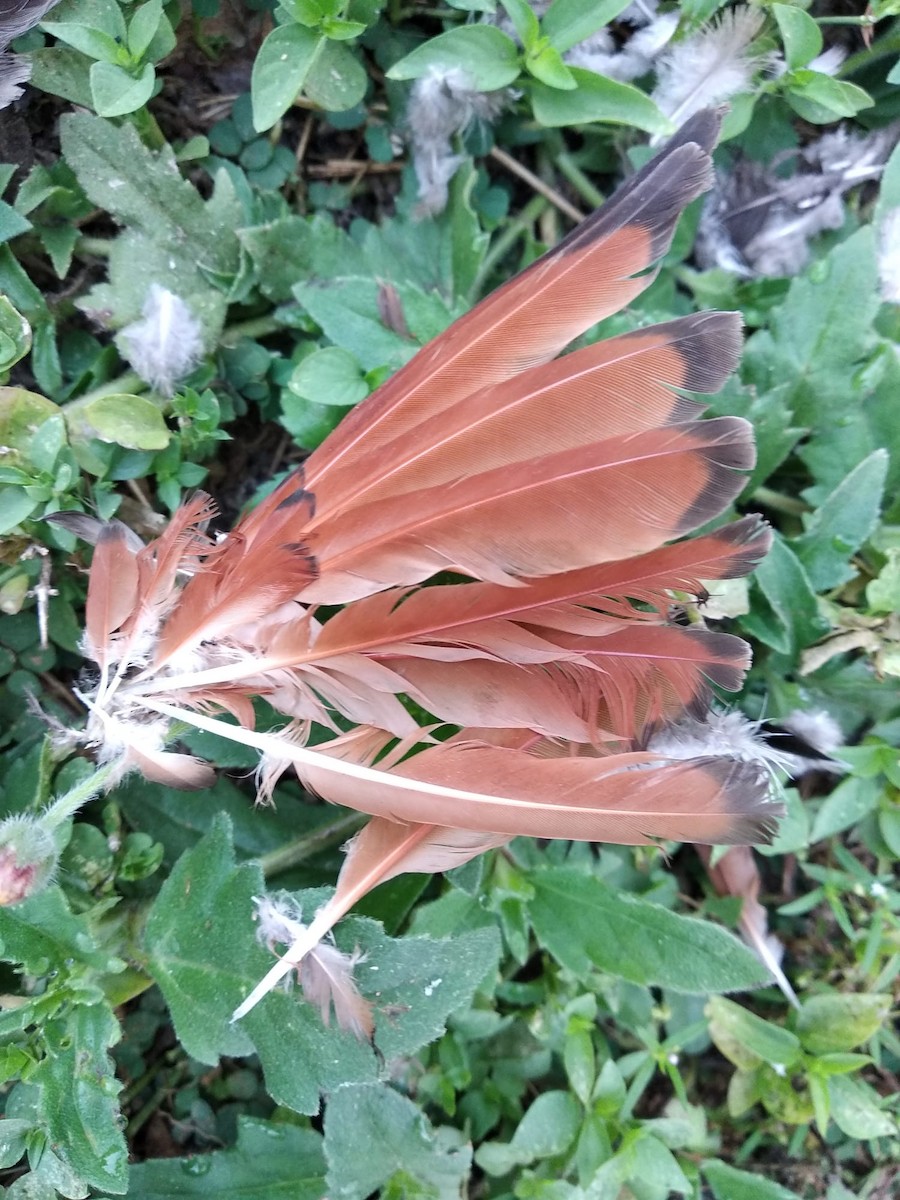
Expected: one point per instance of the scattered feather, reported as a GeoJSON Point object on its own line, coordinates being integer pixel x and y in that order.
{"type": "Point", "coordinates": [628, 59]}
{"type": "Point", "coordinates": [326, 974]}
{"type": "Point", "coordinates": [889, 256]}
{"type": "Point", "coordinates": [709, 67]}
{"type": "Point", "coordinates": [166, 344]}
{"type": "Point", "coordinates": [442, 104]}
{"type": "Point", "coordinates": [16, 18]}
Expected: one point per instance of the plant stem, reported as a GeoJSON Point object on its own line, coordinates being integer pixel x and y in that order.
{"type": "Point", "coordinates": [780, 503]}
{"type": "Point", "coordinates": [507, 239]}
{"type": "Point", "coordinates": [579, 180]}
{"type": "Point", "coordinates": [99, 247]}
{"type": "Point", "coordinates": [255, 327]}
{"type": "Point", "coordinates": [67, 805]}
{"type": "Point", "coordinates": [276, 862]}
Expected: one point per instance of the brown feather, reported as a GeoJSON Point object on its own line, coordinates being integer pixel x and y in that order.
{"type": "Point", "coordinates": [112, 590]}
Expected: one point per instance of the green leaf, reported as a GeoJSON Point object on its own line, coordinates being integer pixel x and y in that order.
{"type": "Point", "coordinates": [585, 924]}
{"type": "Point", "coordinates": [843, 523]}
{"type": "Point", "coordinates": [568, 22]}
{"type": "Point", "coordinates": [795, 621]}
{"type": "Point", "coordinates": [337, 80]}
{"type": "Point", "coordinates": [143, 26]}
{"type": "Point", "coordinates": [596, 98]}
{"type": "Point", "coordinates": [883, 593]}
{"type": "Point", "coordinates": [548, 1129]}
{"type": "Point", "coordinates": [116, 92]}
{"type": "Point", "coordinates": [852, 799]}
{"type": "Point", "coordinates": [15, 342]}
{"type": "Point", "coordinates": [856, 1110]}
{"type": "Point", "coordinates": [130, 421]}
{"type": "Point", "coordinates": [488, 57]}
{"type": "Point", "coordinates": [329, 376]}
{"type": "Point", "coordinates": [171, 234]}
{"type": "Point", "coordinates": [270, 1159]}
{"type": "Point", "coordinates": [78, 1101]}
{"type": "Point", "coordinates": [16, 505]}
{"type": "Point", "coordinates": [374, 1135]}
{"type": "Point", "coordinates": [279, 71]}
{"type": "Point", "coordinates": [728, 1183]}
{"type": "Point", "coordinates": [12, 223]}
{"type": "Point", "coordinates": [820, 99]}
{"type": "Point", "coordinates": [833, 1023]}
{"type": "Point", "coordinates": [203, 952]}
{"type": "Point", "coordinates": [524, 20]}
{"type": "Point", "coordinates": [548, 67]}
{"type": "Point", "coordinates": [43, 935]}
{"type": "Point", "coordinates": [95, 43]}
{"type": "Point", "coordinates": [746, 1039]}
{"type": "Point", "coordinates": [64, 72]}
{"type": "Point", "coordinates": [800, 34]}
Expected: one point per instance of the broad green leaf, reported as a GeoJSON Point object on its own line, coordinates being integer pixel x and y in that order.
{"type": "Point", "coordinates": [487, 56]}
{"type": "Point", "coordinates": [105, 15]}
{"type": "Point", "coordinates": [525, 22]}
{"type": "Point", "coordinates": [280, 70]}
{"type": "Point", "coordinates": [746, 1039]}
{"type": "Point", "coordinates": [203, 952]}
{"type": "Point", "coordinates": [596, 98]}
{"type": "Point", "coordinates": [62, 71]}
{"type": "Point", "coordinates": [820, 99]}
{"type": "Point", "coordinates": [852, 799]}
{"type": "Point", "coordinates": [78, 1100]}
{"type": "Point", "coordinates": [21, 414]}
{"type": "Point", "coordinates": [12, 1140]}
{"type": "Point", "coordinates": [337, 80]}
{"type": "Point", "coordinates": [12, 223]}
{"type": "Point", "coordinates": [130, 421]}
{"type": "Point", "coordinates": [856, 1110]}
{"type": "Point", "coordinates": [172, 235]}
{"type": "Point", "coordinates": [374, 1135]}
{"type": "Point", "coordinates": [282, 254]}
{"type": "Point", "coordinates": [833, 1023]}
{"type": "Point", "coordinates": [143, 26]}
{"type": "Point", "coordinates": [883, 593]}
{"type": "Point", "coordinates": [823, 327]}
{"type": "Point", "coordinates": [329, 376]}
{"type": "Point", "coordinates": [728, 1183]}
{"type": "Point", "coordinates": [568, 22]}
{"type": "Point", "coordinates": [843, 523]}
{"type": "Point", "coordinates": [548, 1128]}
{"type": "Point", "coordinates": [548, 68]}
{"type": "Point", "coordinates": [795, 621]}
{"type": "Point", "coordinates": [270, 1159]}
{"type": "Point", "coordinates": [43, 935]}
{"type": "Point", "coordinates": [102, 47]}
{"type": "Point", "coordinates": [584, 923]}
{"type": "Point", "coordinates": [800, 34]}
{"type": "Point", "coordinates": [116, 92]}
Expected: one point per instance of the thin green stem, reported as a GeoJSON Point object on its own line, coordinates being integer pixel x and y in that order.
{"type": "Point", "coordinates": [67, 805]}
{"type": "Point", "coordinates": [579, 181]}
{"type": "Point", "coordinates": [99, 247]}
{"type": "Point", "coordinates": [504, 241]}
{"type": "Point", "coordinates": [780, 502]}
{"type": "Point", "coordinates": [255, 327]}
{"type": "Point", "coordinates": [276, 862]}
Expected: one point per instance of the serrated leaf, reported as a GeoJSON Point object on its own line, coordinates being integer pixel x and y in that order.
{"type": "Point", "coordinates": [486, 55]}
{"type": "Point", "coordinates": [172, 236]}
{"type": "Point", "coordinates": [78, 1096]}
{"type": "Point", "coordinates": [785, 585]}
{"type": "Point", "coordinates": [130, 421]}
{"type": "Point", "coordinates": [843, 523]}
{"type": "Point", "coordinates": [203, 952]}
{"type": "Point", "coordinates": [270, 1159]}
{"type": "Point", "coordinates": [372, 1133]}
{"type": "Point", "coordinates": [42, 934]}
{"type": "Point", "coordinates": [585, 924]}
{"type": "Point", "coordinates": [596, 98]}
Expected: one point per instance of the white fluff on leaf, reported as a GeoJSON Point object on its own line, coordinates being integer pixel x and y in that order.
{"type": "Point", "coordinates": [633, 59]}
{"type": "Point", "coordinates": [166, 344]}
{"type": "Point", "coordinates": [710, 66]}
{"type": "Point", "coordinates": [441, 105]}
{"type": "Point", "coordinates": [326, 973]}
